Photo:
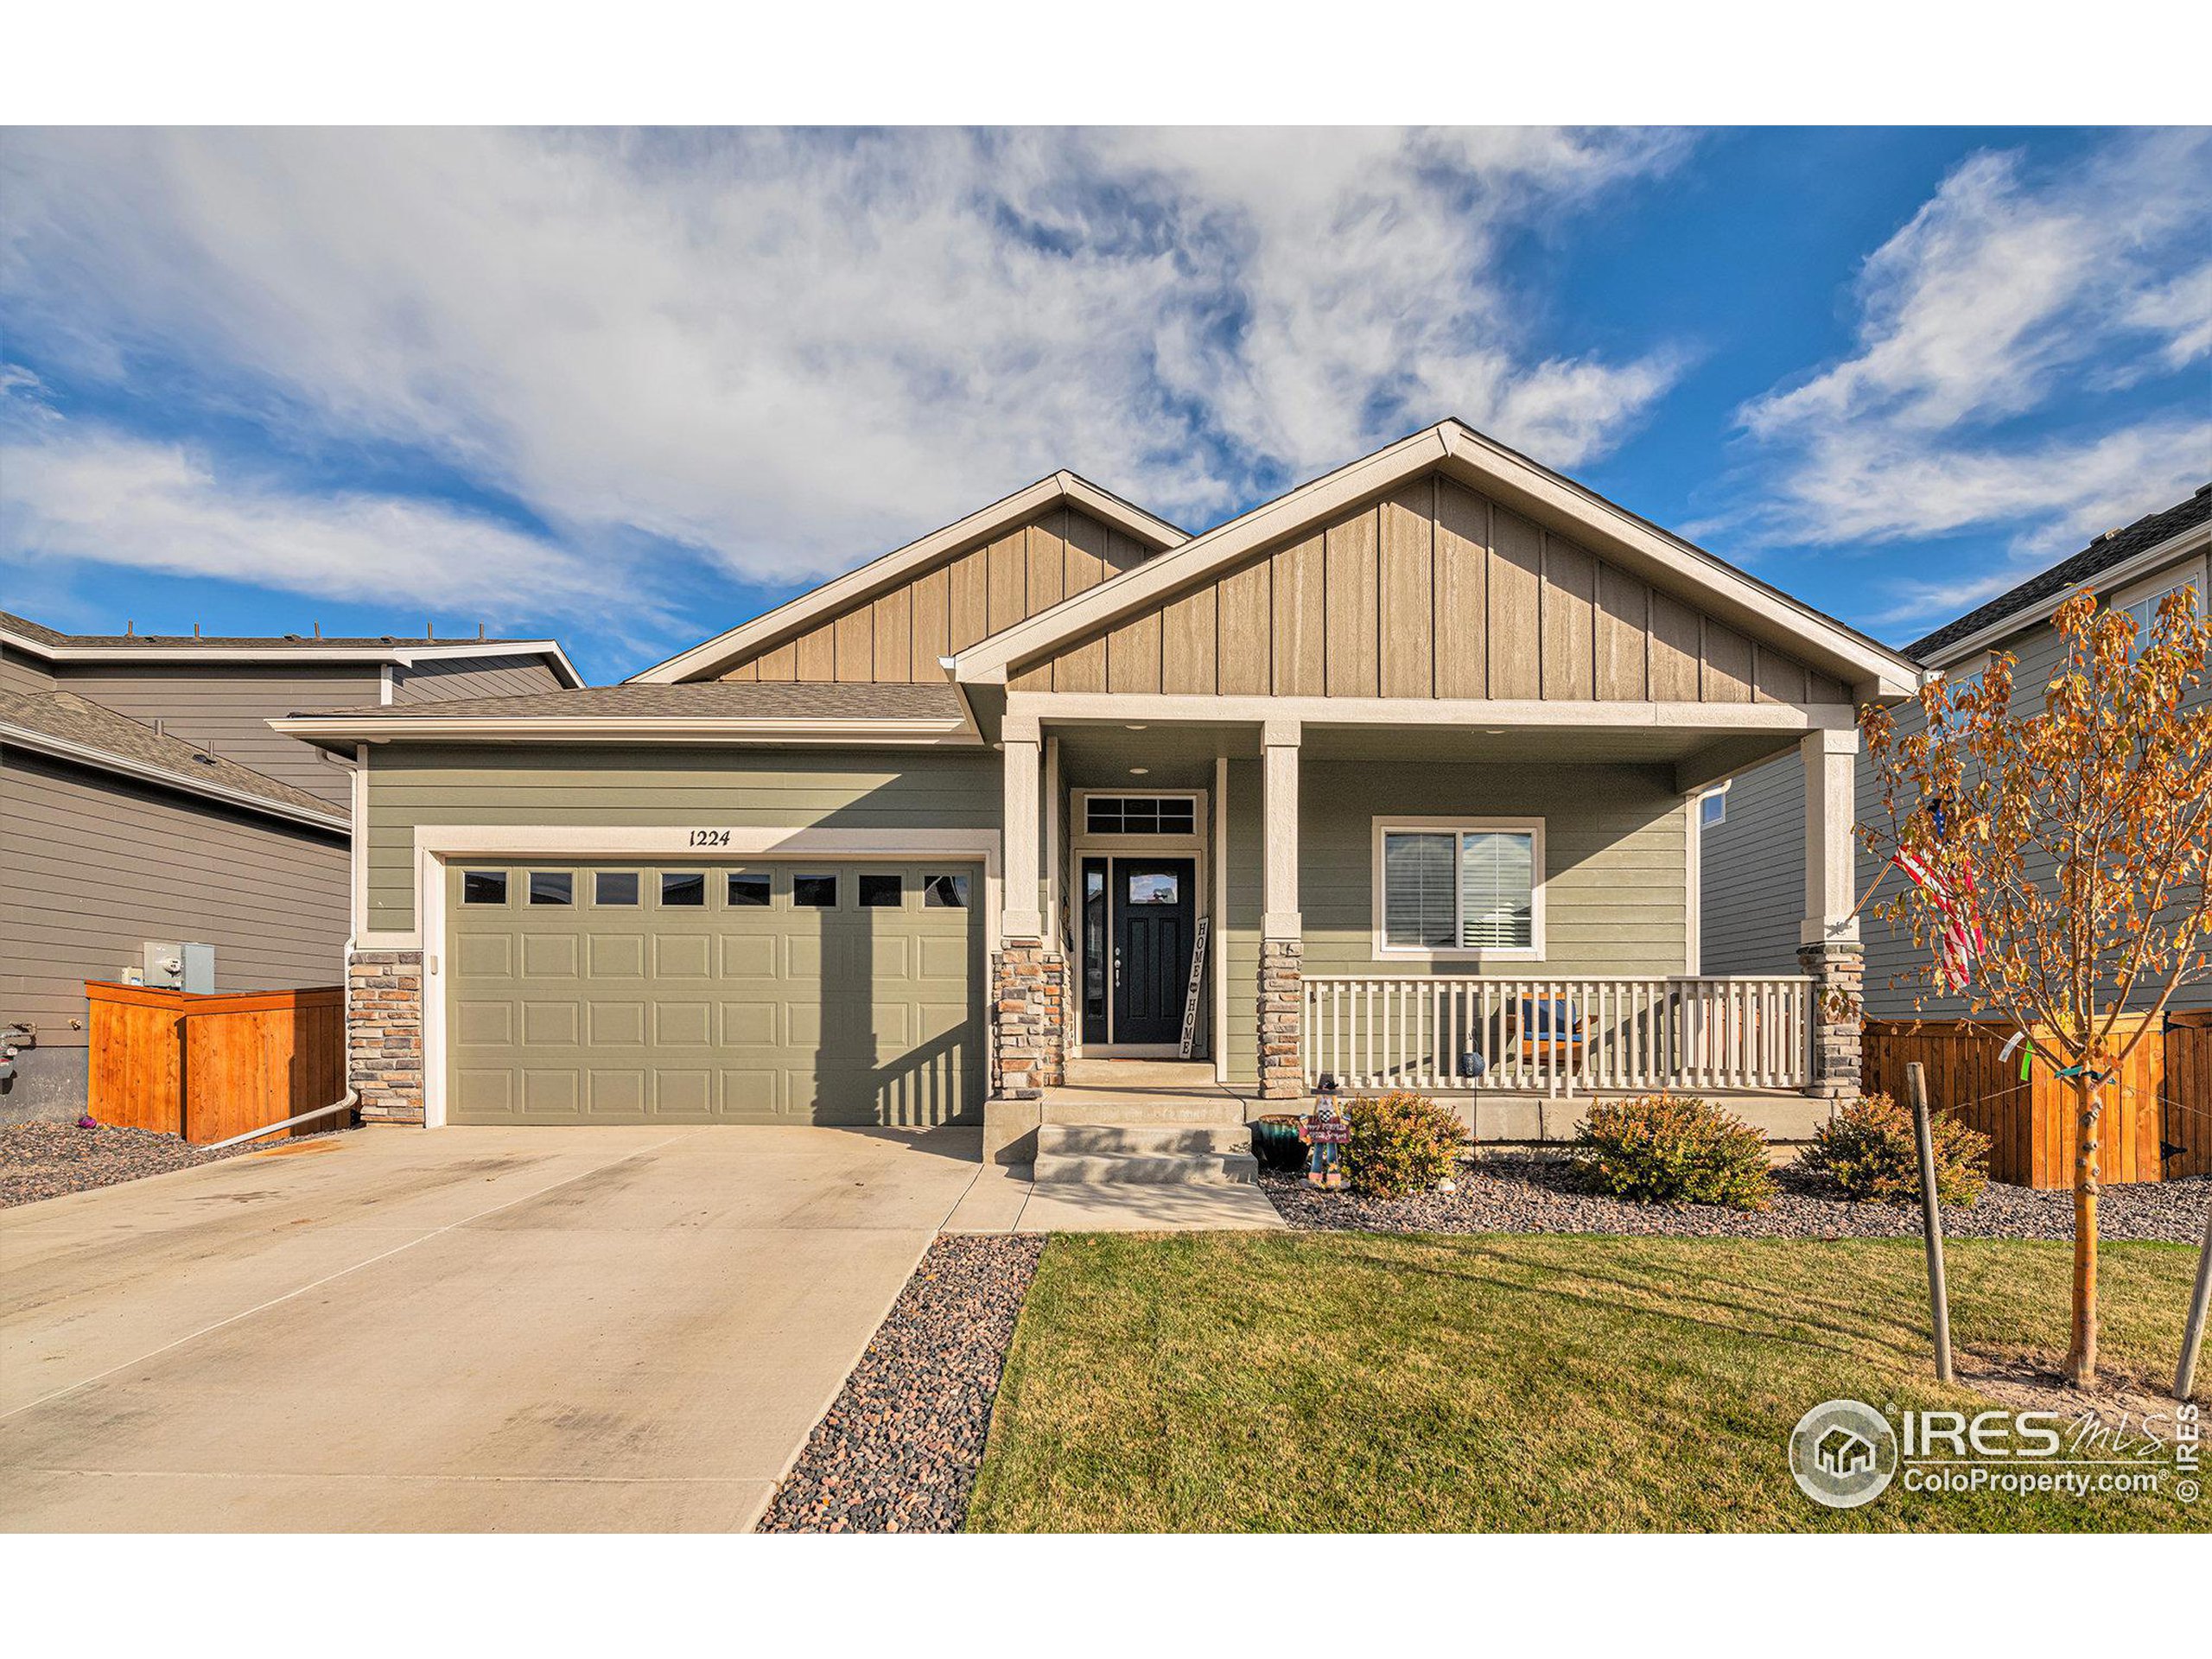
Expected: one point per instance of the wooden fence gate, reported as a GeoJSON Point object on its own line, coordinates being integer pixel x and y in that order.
{"type": "Point", "coordinates": [2156, 1123]}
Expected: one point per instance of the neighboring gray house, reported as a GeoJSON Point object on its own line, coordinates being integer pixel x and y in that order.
{"type": "Point", "coordinates": [1413, 749]}
{"type": "Point", "coordinates": [1752, 830]}
{"type": "Point", "coordinates": [145, 799]}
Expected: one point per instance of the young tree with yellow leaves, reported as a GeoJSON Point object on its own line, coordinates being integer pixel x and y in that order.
{"type": "Point", "coordinates": [2071, 837]}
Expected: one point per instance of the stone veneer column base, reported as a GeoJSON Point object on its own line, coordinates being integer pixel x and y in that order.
{"type": "Point", "coordinates": [384, 1034]}
{"type": "Point", "coordinates": [1029, 1034]}
{"type": "Point", "coordinates": [1282, 1073]}
{"type": "Point", "coordinates": [1839, 975]}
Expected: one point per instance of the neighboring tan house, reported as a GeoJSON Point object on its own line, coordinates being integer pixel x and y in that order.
{"type": "Point", "coordinates": [1754, 830]}
{"type": "Point", "coordinates": [144, 800]}
{"type": "Point", "coordinates": [1416, 746]}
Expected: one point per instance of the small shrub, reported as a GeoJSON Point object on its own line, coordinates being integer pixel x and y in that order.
{"type": "Point", "coordinates": [1402, 1143]}
{"type": "Point", "coordinates": [1868, 1149]}
{"type": "Point", "coordinates": [1674, 1149]}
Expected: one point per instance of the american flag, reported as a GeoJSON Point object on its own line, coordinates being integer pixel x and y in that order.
{"type": "Point", "coordinates": [1959, 943]}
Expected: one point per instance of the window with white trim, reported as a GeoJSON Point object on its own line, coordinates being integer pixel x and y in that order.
{"type": "Point", "coordinates": [2141, 603]}
{"type": "Point", "coordinates": [1713, 809]}
{"type": "Point", "coordinates": [1470, 889]}
{"type": "Point", "coordinates": [1140, 814]}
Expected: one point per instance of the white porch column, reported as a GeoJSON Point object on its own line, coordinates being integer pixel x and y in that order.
{"type": "Point", "coordinates": [1278, 810]}
{"type": "Point", "coordinates": [1282, 950]}
{"type": "Point", "coordinates": [1022, 919]}
{"type": "Point", "coordinates": [1831, 810]}
{"type": "Point", "coordinates": [1829, 948]}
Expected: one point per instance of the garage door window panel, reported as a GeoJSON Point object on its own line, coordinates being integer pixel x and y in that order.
{"type": "Point", "coordinates": [484, 887]}
{"type": "Point", "coordinates": [814, 891]}
{"type": "Point", "coordinates": [615, 888]}
{"type": "Point", "coordinates": [682, 889]}
{"type": "Point", "coordinates": [552, 887]}
{"type": "Point", "coordinates": [944, 893]}
{"type": "Point", "coordinates": [750, 890]}
{"type": "Point", "coordinates": [880, 892]}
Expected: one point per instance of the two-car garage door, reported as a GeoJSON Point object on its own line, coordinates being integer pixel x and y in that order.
{"type": "Point", "coordinates": [757, 993]}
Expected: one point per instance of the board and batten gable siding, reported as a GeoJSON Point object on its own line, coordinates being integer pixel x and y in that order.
{"type": "Point", "coordinates": [24, 674]}
{"type": "Point", "coordinates": [1431, 591]}
{"type": "Point", "coordinates": [92, 867]}
{"type": "Point", "coordinates": [448, 679]}
{"type": "Point", "coordinates": [656, 786]}
{"type": "Point", "coordinates": [900, 634]}
{"type": "Point", "coordinates": [229, 704]}
{"type": "Point", "coordinates": [1616, 877]}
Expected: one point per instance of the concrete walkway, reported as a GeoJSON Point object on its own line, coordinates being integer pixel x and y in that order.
{"type": "Point", "coordinates": [478, 1329]}
{"type": "Point", "coordinates": [1005, 1200]}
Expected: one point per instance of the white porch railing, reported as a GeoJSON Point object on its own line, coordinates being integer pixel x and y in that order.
{"type": "Point", "coordinates": [1558, 1035]}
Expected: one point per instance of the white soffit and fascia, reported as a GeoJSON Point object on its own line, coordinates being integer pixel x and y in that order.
{"type": "Point", "coordinates": [328, 729]}
{"type": "Point", "coordinates": [1869, 670]}
{"type": "Point", "coordinates": [854, 585]}
{"type": "Point", "coordinates": [406, 653]}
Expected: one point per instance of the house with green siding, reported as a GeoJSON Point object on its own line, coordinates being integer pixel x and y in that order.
{"type": "Point", "coordinates": [1390, 781]}
{"type": "Point", "coordinates": [1753, 826]}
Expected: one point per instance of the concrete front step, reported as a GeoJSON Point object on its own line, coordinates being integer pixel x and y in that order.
{"type": "Point", "coordinates": [1195, 1076]}
{"type": "Point", "coordinates": [1169, 1139]}
{"type": "Point", "coordinates": [1148, 1168]}
{"type": "Point", "coordinates": [1076, 1107]}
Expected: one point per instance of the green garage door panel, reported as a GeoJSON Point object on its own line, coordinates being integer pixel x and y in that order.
{"type": "Point", "coordinates": [596, 1012]}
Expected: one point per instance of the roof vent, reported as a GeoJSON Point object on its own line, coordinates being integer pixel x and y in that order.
{"type": "Point", "coordinates": [294, 638]}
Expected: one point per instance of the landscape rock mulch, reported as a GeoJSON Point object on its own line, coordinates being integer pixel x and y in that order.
{"type": "Point", "coordinates": [1529, 1193]}
{"type": "Point", "coordinates": [45, 1161]}
{"type": "Point", "coordinates": [899, 1447]}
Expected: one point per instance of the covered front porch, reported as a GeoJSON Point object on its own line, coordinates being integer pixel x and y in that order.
{"type": "Point", "coordinates": [1493, 904]}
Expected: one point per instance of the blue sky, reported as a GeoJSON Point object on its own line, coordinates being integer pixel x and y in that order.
{"type": "Point", "coordinates": [630, 389]}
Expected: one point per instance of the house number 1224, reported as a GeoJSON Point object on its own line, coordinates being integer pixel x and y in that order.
{"type": "Point", "coordinates": [710, 837]}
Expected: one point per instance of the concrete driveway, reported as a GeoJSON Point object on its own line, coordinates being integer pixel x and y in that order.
{"type": "Point", "coordinates": [467, 1329]}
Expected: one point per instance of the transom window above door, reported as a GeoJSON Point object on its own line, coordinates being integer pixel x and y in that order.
{"type": "Point", "coordinates": [1140, 814]}
{"type": "Point", "coordinates": [1446, 888]}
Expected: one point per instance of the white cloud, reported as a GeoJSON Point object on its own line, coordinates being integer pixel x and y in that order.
{"type": "Point", "coordinates": [99, 496]}
{"type": "Point", "coordinates": [2182, 311]}
{"type": "Point", "coordinates": [793, 350]}
{"type": "Point", "coordinates": [1987, 327]}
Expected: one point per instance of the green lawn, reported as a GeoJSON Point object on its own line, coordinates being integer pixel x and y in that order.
{"type": "Point", "coordinates": [1350, 1381]}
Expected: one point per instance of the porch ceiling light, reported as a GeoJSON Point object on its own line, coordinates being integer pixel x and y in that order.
{"type": "Point", "coordinates": [1132, 728]}
{"type": "Point", "coordinates": [1139, 772]}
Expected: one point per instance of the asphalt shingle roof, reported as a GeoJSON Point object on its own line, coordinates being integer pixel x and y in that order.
{"type": "Point", "coordinates": [2113, 548]}
{"type": "Point", "coordinates": [693, 699]}
{"type": "Point", "coordinates": [72, 719]}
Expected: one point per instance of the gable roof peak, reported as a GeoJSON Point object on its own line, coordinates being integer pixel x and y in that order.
{"type": "Point", "coordinates": [1458, 451]}
{"type": "Point", "coordinates": [1054, 489]}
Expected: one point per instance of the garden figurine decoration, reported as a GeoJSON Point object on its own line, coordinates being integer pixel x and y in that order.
{"type": "Point", "coordinates": [1326, 1132]}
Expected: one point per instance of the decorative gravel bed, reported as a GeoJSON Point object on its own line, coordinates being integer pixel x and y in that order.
{"type": "Point", "coordinates": [1529, 1192]}
{"type": "Point", "coordinates": [899, 1448]}
{"type": "Point", "coordinates": [44, 1161]}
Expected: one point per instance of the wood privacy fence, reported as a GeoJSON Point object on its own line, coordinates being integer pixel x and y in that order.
{"type": "Point", "coordinates": [210, 1067]}
{"type": "Point", "coordinates": [2156, 1123]}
